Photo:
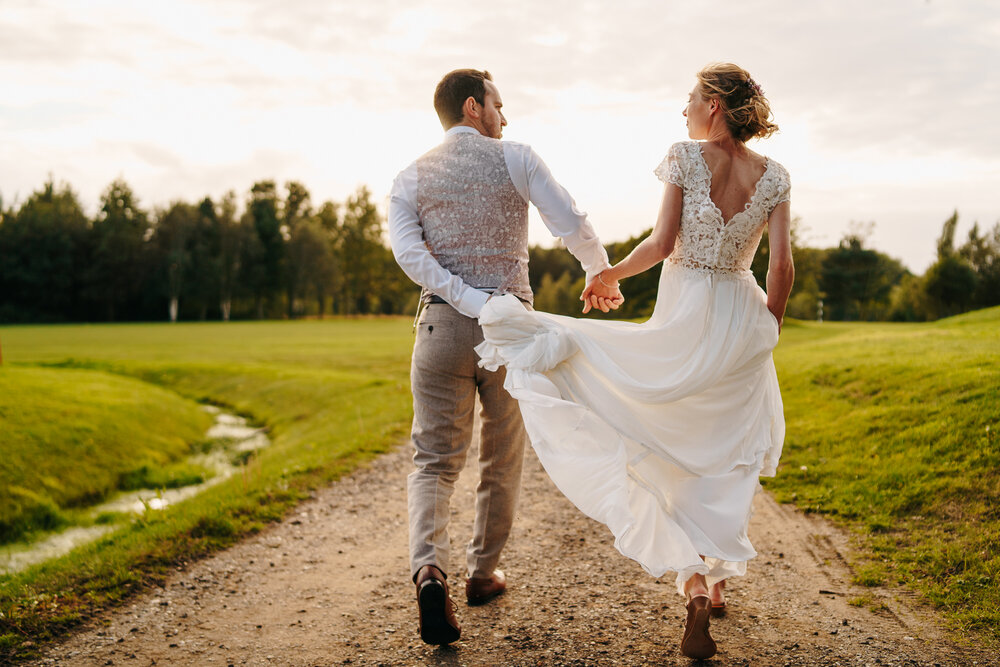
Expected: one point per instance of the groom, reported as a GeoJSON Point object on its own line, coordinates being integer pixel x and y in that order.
{"type": "Point", "coordinates": [458, 225]}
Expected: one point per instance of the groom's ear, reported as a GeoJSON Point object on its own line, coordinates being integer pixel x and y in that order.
{"type": "Point", "coordinates": [470, 108]}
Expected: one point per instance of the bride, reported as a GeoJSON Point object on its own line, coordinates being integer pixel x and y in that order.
{"type": "Point", "coordinates": [661, 430]}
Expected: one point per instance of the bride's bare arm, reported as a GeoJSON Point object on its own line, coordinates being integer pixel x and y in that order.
{"type": "Point", "coordinates": [654, 248]}
{"type": "Point", "coordinates": [780, 269]}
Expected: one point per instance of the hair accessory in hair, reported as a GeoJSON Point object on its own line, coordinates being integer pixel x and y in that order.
{"type": "Point", "coordinates": [754, 86]}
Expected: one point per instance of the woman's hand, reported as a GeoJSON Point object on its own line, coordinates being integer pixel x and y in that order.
{"type": "Point", "coordinates": [599, 294]}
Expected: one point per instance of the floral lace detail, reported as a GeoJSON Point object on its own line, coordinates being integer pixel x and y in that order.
{"type": "Point", "coordinates": [475, 222]}
{"type": "Point", "coordinates": [706, 242]}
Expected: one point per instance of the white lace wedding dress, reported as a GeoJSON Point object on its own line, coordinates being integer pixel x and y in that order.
{"type": "Point", "coordinates": [660, 430]}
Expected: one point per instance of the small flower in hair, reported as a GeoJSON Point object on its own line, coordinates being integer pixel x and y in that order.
{"type": "Point", "coordinates": [754, 86]}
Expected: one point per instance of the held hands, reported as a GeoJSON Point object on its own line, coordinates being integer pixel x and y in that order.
{"type": "Point", "coordinates": [599, 294]}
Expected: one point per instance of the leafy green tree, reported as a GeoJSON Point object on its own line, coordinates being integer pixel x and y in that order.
{"type": "Point", "coordinates": [360, 257]}
{"type": "Point", "coordinates": [295, 216]}
{"type": "Point", "coordinates": [856, 281]}
{"type": "Point", "coordinates": [264, 248]}
{"type": "Point", "coordinates": [560, 296]}
{"type": "Point", "coordinates": [44, 249]}
{"type": "Point", "coordinates": [230, 235]}
{"type": "Point", "coordinates": [118, 269]}
{"type": "Point", "coordinates": [982, 252]}
{"type": "Point", "coordinates": [175, 226]}
{"type": "Point", "coordinates": [950, 283]}
{"type": "Point", "coordinates": [326, 280]}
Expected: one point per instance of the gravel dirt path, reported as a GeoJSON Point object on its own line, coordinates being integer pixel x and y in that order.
{"type": "Point", "coordinates": [329, 586]}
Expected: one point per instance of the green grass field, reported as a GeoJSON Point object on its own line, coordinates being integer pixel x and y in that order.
{"type": "Point", "coordinates": [892, 430]}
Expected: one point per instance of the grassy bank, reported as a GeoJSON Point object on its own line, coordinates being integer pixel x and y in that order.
{"type": "Point", "coordinates": [893, 430]}
{"type": "Point", "coordinates": [332, 394]}
{"type": "Point", "coordinates": [71, 437]}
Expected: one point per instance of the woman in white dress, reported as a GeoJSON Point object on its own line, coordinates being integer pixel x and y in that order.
{"type": "Point", "coordinates": [661, 429]}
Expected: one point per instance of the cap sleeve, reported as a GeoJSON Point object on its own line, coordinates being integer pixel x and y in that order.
{"type": "Point", "coordinates": [783, 187]}
{"type": "Point", "coordinates": [673, 168]}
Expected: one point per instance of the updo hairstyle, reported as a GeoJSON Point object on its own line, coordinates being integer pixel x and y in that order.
{"type": "Point", "coordinates": [747, 110]}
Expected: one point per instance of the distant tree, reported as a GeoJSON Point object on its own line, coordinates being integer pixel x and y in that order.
{"type": "Point", "coordinates": [174, 229]}
{"type": "Point", "coordinates": [950, 283]}
{"type": "Point", "coordinates": [908, 300]}
{"type": "Point", "coordinates": [326, 280]}
{"type": "Point", "coordinates": [560, 296]}
{"type": "Point", "coordinates": [231, 240]}
{"type": "Point", "coordinates": [299, 236]}
{"type": "Point", "coordinates": [118, 268]}
{"type": "Point", "coordinates": [982, 252]}
{"type": "Point", "coordinates": [856, 281]}
{"type": "Point", "coordinates": [201, 284]}
{"type": "Point", "coordinates": [361, 260]}
{"type": "Point", "coordinates": [551, 262]}
{"type": "Point", "coordinates": [44, 249]}
{"type": "Point", "coordinates": [263, 252]}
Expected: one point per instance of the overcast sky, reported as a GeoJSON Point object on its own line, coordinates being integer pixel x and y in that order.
{"type": "Point", "coordinates": [888, 110]}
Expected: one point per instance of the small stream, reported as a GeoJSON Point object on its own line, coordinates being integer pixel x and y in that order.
{"type": "Point", "coordinates": [232, 435]}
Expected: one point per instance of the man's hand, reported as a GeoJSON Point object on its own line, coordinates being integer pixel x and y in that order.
{"type": "Point", "coordinates": [597, 294]}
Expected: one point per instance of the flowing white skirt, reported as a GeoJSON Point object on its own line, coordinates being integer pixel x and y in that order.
{"type": "Point", "coordinates": [659, 430]}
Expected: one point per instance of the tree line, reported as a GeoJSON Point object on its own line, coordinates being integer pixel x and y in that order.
{"type": "Point", "coordinates": [274, 254]}
{"type": "Point", "coordinates": [847, 282]}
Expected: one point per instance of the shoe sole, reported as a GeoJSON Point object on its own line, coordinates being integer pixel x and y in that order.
{"type": "Point", "coordinates": [435, 629]}
{"type": "Point", "coordinates": [697, 643]}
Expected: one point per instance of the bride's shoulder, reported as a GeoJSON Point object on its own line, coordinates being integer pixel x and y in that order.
{"type": "Point", "coordinates": [778, 169]}
{"type": "Point", "coordinates": [683, 148]}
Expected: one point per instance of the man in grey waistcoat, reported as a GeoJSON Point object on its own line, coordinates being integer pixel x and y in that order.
{"type": "Point", "coordinates": [458, 225]}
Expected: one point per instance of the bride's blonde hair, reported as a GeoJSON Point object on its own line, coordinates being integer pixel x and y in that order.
{"type": "Point", "coordinates": [748, 112]}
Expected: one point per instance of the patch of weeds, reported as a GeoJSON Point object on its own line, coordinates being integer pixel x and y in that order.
{"type": "Point", "coordinates": [29, 512]}
{"type": "Point", "coordinates": [107, 518]}
{"type": "Point", "coordinates": [213, 526]}
{"type": "Point", "coordinates": [870, 574]}
{"type": "Point", "coordinates": [860, 601]}
{"type": "Point", "coordinates": [174, 476]}
{"type": "Point", "coordinates": [242, 458]}
{"type": "Point", "coordinates": [880, 524]}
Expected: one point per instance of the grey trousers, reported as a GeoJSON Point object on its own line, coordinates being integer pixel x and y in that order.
{"type": "Point", "coordinates": [445, 378]}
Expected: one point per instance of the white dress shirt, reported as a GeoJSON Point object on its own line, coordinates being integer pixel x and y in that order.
{"type": "Point", "coordinates": [534, 182]}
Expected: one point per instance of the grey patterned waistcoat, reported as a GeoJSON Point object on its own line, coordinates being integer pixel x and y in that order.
{"type": "Point", "coordinates": [475, 222]}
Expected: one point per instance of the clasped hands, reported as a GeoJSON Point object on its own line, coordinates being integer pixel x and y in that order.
{"type": "Point", "coordinates": [599, 294]}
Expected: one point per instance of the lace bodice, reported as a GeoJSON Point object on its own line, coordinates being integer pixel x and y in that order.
{"type": "Point", "coordinates": [705, 241]}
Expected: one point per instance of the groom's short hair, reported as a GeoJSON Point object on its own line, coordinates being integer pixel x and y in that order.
{"type": "Point", "coordinates": [456, 87]}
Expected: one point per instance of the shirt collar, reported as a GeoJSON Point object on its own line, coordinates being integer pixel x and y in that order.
{"type": "Point", "coordinates": [459, 129]}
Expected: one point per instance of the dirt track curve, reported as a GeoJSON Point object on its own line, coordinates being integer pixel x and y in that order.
{"type": "Point", "coordinates": [329, 586]}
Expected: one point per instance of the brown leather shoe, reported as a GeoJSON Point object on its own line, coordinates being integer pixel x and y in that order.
{"type": "Point", "coordinates": [697, 643]}
{"type": "Point", "coordinates": [436, 615]}
{"type": "Point", "coordinates": [481, 590]}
